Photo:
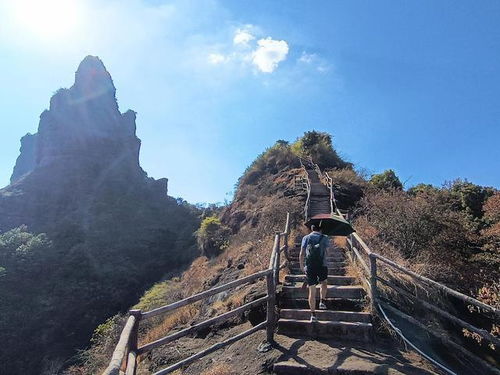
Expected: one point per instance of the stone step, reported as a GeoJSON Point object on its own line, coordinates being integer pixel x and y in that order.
{"type": "Point", "coordinates": [334, 264]}
{"type": "Point", "coordinates": [330, 253]}
{"type": "Point", "coordinates": [293, 368]}
{"type": "Point", "coordinates": [333, 291]}
{"type": "Point", "coordinates": [352, 331]}
{"type": "Point", "coordinates": [332, 280]}
{"type": "Point", "coordinates": [332, 260]}
{"type": "Point", "coordinates": [335, 304]}
{"type": "Point", "coordinates": [366, 367]}
{"type": "Point", "coordinates": [334, 271]}
{"type": "Point", "coordinates": [326, 315]}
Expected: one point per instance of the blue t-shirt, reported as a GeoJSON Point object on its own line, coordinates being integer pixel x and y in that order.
{"type": "Point", "coordinates": [323, 244]}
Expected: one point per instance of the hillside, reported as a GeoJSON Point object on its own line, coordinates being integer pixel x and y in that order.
{"type": "Point", "coordinates": [83, 229]}
{"type": "Point", "coordinates": [237, 239]}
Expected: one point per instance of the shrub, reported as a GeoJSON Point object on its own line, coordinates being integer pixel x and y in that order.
{"type": "Point", "coordinates": [386, 180]}
{"type": "Point", "coordinates": [421, 228]}
{"type": "Point", "coordinates": [212, 237]}
{"type": "Point", "coordinates": [470, 197]}
{"type": "Point", "coordinates": [319, 146]}
{"type": "Point", "coordinates": [271, 161]}
{"type": "Point", "coordinates": [348, 187]}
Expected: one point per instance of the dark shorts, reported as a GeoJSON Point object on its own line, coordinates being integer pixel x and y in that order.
{"type": "Point", "coordinates": [315, 275]}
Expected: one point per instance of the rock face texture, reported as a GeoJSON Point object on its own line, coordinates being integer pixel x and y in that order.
{"type": "Point", "coordinates": [83, 145]}
{"type": "Point", "coordinates": [113, 230]}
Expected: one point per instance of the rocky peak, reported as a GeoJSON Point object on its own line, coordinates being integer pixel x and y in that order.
{"type": "Point", "coordinates": [82, 124]}
{"type": "Point", "coordinates": [92, 78]}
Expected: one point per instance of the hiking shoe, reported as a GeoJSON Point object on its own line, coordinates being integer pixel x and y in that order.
{"type": "Point", "coordinates": [313, 318]}
{"type": "Point", "coordinates": [322, 306]}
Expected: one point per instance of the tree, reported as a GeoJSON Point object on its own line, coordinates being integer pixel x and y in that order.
{"type": "Point", "coordinates": [470, 197]}
{"type": "Point", "coordinates": [386, 180]}
{"type": "Point", "coordinates": [422, 189]}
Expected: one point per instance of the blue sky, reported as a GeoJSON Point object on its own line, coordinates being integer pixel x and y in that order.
{"type": "Point", "coordinates": [413, 86]}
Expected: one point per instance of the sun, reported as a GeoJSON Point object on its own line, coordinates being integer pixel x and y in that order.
{"type": "Point", "coordinates": [47, 19]}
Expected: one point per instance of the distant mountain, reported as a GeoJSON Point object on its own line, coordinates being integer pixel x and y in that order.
{"type": "Point", "coordinates": [110, 229]}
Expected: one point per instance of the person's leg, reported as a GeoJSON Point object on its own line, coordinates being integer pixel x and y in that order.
{"type": "Point", "coordinates": [312, 281]}
{"type": "Point", "coordinates": [312, 298]}
{"type": "Point", "coordinates": [323, 278]}
{"type": "Point", "coordinates": [324, 289]}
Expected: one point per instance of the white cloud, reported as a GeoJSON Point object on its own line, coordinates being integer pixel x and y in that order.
{"type": "Point", "coordinates": [314, 61]}
{"type": "Point", "coordinates": [217, 58]}
{"type": "Point", "coordinates": [269, 54]}
{"type": "Point", "coordinates": [242, 37]}
{"type": "Point", "coordinates": [307, 58]}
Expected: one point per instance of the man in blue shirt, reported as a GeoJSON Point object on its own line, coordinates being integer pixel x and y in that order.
{"type": "Point", "coordinates": [313, 261]}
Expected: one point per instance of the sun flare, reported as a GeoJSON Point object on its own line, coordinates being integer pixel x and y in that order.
{"type": "Point", "coordinates": [48, 19]}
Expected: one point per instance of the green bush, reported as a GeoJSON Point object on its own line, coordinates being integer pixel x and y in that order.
{"type": "Point", "coordinates": [386, 180]}
{"type": "Point", "coordinates": [315, 145]}
{"type": "Point", "coordinates": [319, 147]}
{"type": "Point", "coordinates": [212, 237]}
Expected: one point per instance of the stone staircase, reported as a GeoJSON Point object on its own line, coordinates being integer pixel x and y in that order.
{"type": "Point", "coordinates": [320, 195]}
{"type": "Point", "coordinates": [343, 320]}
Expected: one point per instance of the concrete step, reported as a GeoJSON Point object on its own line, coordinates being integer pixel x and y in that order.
{"type": "Point", "coordinates": [335, 304]}
{"type": "Point", "coordinates": [333, 291]}
{"type": "Point", "coordinates": [332, 280]}
{"type": "Point", "coordinates": [352, 331]}
{"type": "Point", "coordinates": [326, 315]}
{"type": "Point", "coordinates": [333, 271]}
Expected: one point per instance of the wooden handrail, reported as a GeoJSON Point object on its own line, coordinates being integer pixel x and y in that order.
{"type": "Point", "coordinates": [197, 327]}
{"type": "Point", "coordinates": [127, 349]}
{"type": "Point", "coordinates": [121, 348]}
{"type": "Point", "coordinates": [481, 332]}
{"type": "Point", "coordinates": [211, 349]}
{"type": "Point", "coordinates": [356, 242]}
{"type": "Point", "coordinates": [442, 287]}
{"type": "Point", "coordinates": [207, 293]}
{"type": "Point", "coordinates": [444, 340]}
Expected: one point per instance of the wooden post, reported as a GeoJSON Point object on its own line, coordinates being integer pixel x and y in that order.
{"type": "Point", "coordinates": [373, 281]}
{"type": "Point", "coordinates": [134, 341]}
{"type": "Point", "coordinates": [271, 302]}
{"type": "Point", "coordinates": [277, 262]}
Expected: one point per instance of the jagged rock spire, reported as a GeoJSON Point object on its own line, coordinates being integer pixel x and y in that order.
{"type": "Point", "coordinates": [83, 122]}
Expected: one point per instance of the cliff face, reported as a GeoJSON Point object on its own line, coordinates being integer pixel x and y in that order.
{"type": "Point", "coordinates": [113, 229]}
{"type": "Point", "coordinates": [84, 146]}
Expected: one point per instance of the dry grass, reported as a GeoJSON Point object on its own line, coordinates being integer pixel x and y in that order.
{"type": "Point", "coordinates": [177, 318]}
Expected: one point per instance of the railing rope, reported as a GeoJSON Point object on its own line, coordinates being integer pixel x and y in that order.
{"type": "Point", "coordinates": [356, 244]}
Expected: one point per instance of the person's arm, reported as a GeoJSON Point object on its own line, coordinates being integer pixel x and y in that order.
{"type": "Point", "coordinates": [302, 254]}
{"type": "Point", "coordinates": [326, 248]}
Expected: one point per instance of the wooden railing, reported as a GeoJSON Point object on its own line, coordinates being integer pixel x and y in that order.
{"type": "Point", "coordinates": [124, 358]}
{"type": "Point", "coordinates": [371, 264]}
{"type": "Point", "coordinates": [308, 189]}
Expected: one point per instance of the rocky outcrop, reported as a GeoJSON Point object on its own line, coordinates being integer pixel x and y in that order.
{"type": "Point", "coordinates": [113, 230]}
{"type": "Point", "coordinates": [26, 161]}
{"type": "Point", "coordinates": [83, 145]}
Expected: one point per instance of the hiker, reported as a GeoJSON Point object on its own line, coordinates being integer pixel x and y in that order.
{"type": "Point", "coordinates": [313, 252]}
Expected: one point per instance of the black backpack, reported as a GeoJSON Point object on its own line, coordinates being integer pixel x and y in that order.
{"type": "Point", "coordinates": [314, 255]}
